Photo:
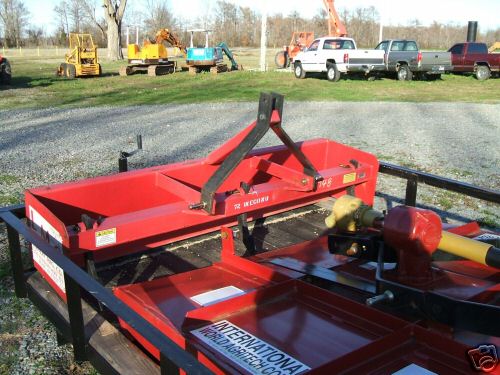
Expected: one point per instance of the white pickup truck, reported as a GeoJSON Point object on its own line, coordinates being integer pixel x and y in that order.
{"type": "Point", "coordinates": [336, 56]}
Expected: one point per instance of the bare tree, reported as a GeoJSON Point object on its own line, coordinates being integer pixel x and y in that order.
{"type": "Point", "coordinates": [225, 22]}
{"type": "Point", "coordinates": [89, 9]}
{"type": "Point", "coordinates": [71, 15]}
{"type": "Point", "coordinates": [13, 15]}
{"type": "Point", "coordinates": [158, 16]}
{"type": "Point", "coordinates": [35, 36]}
{"type": "Point", "coordinates": [76, 15]}
{"type": "Point", "coordinates": [112, 25]}
{"type": "Point", "coordinates": [248, 27]}
{"type": "Point", "coordinates": [113, 14]}
{"type": "Point", "coordinates": [61, 11]}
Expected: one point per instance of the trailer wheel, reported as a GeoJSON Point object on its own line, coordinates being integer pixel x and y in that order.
{"type": "Point", "coordinates": [281, 60]}
{"type": "Point", "coordinates": [299, 71]}
{"type": "Point", "coordinates": [70, 71]}
{"type": "Point", "coordinates": [332, 73]}
{"type": "Point", "coordinates": [404, 73]}
{"type": "Point", "coordinates": [482, 73]}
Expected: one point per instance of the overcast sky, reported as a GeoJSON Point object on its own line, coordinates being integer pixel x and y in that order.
{"type": "Point", "coordinates": [457, 11]}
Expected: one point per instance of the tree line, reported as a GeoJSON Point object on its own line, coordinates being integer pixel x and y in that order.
{"type": "Point", "coordinates": [238, 26]}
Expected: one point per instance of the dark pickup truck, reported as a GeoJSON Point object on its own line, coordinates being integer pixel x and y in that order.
{"type": "Point", "coordinates": [474, 58]}
{"type": "Point", "coordinates": [405, 59]}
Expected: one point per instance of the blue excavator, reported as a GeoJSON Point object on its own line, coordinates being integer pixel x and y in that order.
{"type": "Point", "coordinates": [209, 58]}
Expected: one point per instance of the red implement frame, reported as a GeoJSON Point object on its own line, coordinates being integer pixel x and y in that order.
{"type": "Point", "coordinates": [116, 215]}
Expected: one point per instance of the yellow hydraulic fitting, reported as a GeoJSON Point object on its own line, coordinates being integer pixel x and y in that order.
{"type": "Point", "coordinates": [350, 213]}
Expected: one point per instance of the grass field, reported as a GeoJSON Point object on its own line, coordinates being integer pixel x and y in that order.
{"type": "Point", "coordinates": [35, 85]}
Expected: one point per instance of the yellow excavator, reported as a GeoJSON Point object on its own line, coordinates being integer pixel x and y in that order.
{"type": "Point", "coordinates": [81, 60]}
{"type": "Point", "coordinates": [494, 47]}
{"type": "Point", "coordinates": [152, 57]}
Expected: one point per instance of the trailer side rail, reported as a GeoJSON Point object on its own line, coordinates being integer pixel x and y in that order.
{"type": "Point", "coordinates": [413, 177]}
{"type": "Point", "coordinates": [172, 357]}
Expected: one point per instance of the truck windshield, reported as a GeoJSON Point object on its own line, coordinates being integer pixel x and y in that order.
{"type": "Point", "coordinates": [411, 46]}
{"type": "Point", "coordinates": [382, 46]}
{"type": "Point", "coordinates": [314, 46]}
{"type": "Point", "coordinates": [404, 45]}
{"type": "Point", "coordinates": [457, 49]}
{"type": "Point", "coordinates": [338, 44]}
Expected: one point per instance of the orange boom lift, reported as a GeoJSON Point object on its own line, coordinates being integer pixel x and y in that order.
{"type": "Point", "coordinates": [302, 39]}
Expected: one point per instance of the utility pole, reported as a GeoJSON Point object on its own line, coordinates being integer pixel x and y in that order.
{"type": "Point", "coordinates": [381, 30]}
{"type": "Point", "coordinates": [263, 40]}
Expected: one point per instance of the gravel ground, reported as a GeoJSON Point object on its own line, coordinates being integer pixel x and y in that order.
{"type": "Point", "coordinates": [39, 147]}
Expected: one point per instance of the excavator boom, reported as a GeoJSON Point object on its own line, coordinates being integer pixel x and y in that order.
{"type": "Point", "coordinates": [335, 26]}
{"type": "Point", "coordinates": [164, 35]}
{"type": "Point", "coordinates": [229, 54]}
{"type": "Point", "coordinates": [495, 46]}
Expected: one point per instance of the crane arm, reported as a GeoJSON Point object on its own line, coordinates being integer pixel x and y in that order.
{"type": "Point", "coordinates": [335, 26]}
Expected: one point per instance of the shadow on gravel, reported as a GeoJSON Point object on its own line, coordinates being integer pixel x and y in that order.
{"type": "Point", "coordinates": [46, 129]}
{"type": "Point", "coordinates": [392, 201]}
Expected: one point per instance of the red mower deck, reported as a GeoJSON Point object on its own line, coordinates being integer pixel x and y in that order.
{"type": "Point", "coordinates": [282, 326]}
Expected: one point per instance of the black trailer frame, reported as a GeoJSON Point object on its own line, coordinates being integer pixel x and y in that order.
{"type": "Point", "coordinates": [78, 281]}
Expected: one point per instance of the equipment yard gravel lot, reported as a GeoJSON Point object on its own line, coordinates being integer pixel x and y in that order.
{"type": "Point", "coordinates": [455, 140]}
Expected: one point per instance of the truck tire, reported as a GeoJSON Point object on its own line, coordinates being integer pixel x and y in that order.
{"type": "Point", "coordinates": [5, 73]}
{"type": "Point", "coordinates": [482, 73]}
{"type": "Point", "coordinates": [70, 71]}
{"type": "Point", "coordinates": [299, 71]}
{"type": "Point", "coordinates": [432, 77]}
{"type": "Point", "coordinates": [281, 60]}
{"type": "Point", "coordinates": [332, 73]}
{"type": "Point", "coordinates": [61, 71]}
{"type": "Point", "coordinates": [404, 73]}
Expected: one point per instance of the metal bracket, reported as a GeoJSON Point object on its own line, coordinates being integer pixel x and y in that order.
{"type": "Point", "coordinates": [459, 314]}
{"type": "Point", "coordinates": [246, 236]}
{"type": "Point", "coordinates": [268, 103]}
{"type": "Point", "coordinates": [92, 271]}
{"type": "Point", "coordinates": [123, 158]}
{"type": "Point", "coordinates": [16, 262]}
